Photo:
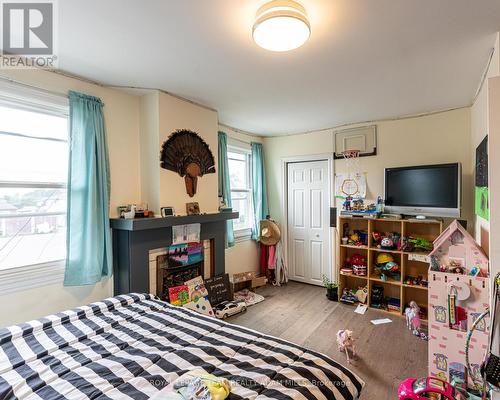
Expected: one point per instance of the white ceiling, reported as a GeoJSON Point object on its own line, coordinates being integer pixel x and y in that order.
{"type": "Point", "coordinates": [365, 60]}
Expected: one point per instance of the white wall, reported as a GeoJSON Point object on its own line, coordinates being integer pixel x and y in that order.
{"type": "Point", "coordinates": [121, 112]}
{"type": "Point", "coordinates": [479, 129]}
{"type": "Point", "coordinates": [438, 138]}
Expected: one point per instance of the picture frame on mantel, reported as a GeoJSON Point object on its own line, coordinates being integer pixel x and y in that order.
{"type": "Point", "coordinates": [167, 211]}
{"type": "Point", "coordinates": [193, 208]}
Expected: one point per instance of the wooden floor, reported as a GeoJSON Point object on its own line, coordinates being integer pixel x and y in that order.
{"type": "Point", "coordinates": [302, 314]}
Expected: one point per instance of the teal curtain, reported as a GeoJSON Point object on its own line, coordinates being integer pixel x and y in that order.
{"type": "Point", "coordinates": [225, 185]}
{"type": "Point", "coordinates": [260, 207]}
{"type": "Point", "coordinates": [89, 251]}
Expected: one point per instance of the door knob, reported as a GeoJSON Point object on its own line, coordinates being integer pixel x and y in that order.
{"type": "Point", "coordinates": [317, 235]}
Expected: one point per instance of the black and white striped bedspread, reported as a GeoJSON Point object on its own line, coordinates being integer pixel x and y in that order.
{"type": "Point", "coordinates": [131, 346]}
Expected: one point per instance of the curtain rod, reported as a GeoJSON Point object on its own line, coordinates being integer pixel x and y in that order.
{"type": "Point", "coordinates": [52, 92]}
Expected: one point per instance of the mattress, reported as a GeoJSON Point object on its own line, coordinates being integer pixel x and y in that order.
{"type": "Point", "coordinates": [132, 346]}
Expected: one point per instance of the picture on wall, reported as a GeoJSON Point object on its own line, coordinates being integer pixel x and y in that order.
{"type": "Point", "coordinates": [481, 183]}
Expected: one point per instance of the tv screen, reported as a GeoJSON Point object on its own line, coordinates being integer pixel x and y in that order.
{"type": "Point", "coordinates": [426, 186]}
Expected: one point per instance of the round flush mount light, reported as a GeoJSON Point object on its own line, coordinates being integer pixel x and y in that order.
{"type": "Point", "coordinates": [281, 25]}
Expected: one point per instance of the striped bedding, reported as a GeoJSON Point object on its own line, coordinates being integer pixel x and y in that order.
{"type": "Point", "coordinates": [131, 346]}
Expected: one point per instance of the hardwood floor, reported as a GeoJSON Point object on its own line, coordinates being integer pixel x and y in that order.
{"type": "Point", "coordinates": [301, 313]}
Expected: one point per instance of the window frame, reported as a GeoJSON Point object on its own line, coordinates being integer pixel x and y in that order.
{"type": "Point", "coordinates": [242, 148]}
{"type": "Point", "coordinates": [23, 97]}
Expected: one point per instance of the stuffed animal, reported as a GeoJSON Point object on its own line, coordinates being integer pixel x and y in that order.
{"type": "Point", "coordinates": [345, 343]}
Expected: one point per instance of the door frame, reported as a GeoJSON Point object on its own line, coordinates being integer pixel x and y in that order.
{"type": "Point", "coordinates": [331, 203]}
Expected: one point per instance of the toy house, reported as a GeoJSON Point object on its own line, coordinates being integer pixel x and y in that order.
{"type": "Point", "coordinates": [458, 294]}
{"type": "Point", "coordinates": [456, 251]}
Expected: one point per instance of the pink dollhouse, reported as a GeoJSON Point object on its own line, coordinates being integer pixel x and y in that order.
{"type": "Point", "coordinates": [458, 294]}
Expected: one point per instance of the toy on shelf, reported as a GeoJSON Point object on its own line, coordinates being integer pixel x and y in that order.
{"type": "Point", "coordinates": [412, 314]}
{"type": "Point", "coordinates": [351, 296]}
{"type": "Point", "coordinates": [420, 244]}
{"type": "Point", "coordinates": [345, 342]}
{"type": "Point", "coordinates": [348, 297]}
{"type": "Point", "coordinates": [357, 207]}
{"type": "Point", "coordinates": [358, 264]}
{"type": "Point", "coordinates": [393, 304]}
{"type": "Point", "coordinates": [388, 241]}
{"type": "Point", "coordinates": [357, 238]}
{"type": "Point", "coordinates": [377, 296]}
{"type": "Point", "coordinates": [386, 268]}
{"type": "Point", "coordinates": [362, 294]}
{"type": "Point", "coordinates": [415, 281]}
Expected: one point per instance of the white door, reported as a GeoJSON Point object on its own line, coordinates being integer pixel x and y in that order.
{"type": "Point", "coordinates": [308, 221]}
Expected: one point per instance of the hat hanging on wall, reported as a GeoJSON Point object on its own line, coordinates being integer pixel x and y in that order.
{"type": "Point", "coordinates": [189, 155]}
{"type": "Point", "coordinates": [269, 232]}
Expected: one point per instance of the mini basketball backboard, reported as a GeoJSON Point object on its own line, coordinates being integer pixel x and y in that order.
{"type": "Point", "coordinates": [363, 139]}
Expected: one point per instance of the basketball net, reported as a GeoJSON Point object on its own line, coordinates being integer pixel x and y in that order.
{"type": "Point", "coordinates": [350, 185]}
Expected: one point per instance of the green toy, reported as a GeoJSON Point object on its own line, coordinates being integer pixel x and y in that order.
{"type": "Point", "coordinates": [421, 244]}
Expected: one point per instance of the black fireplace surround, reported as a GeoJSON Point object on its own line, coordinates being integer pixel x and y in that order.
{"type": "Point", "coordinates": [134, 238]}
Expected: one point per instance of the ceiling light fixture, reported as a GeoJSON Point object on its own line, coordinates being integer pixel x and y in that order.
{"type": "Point", "coordinates": [281, 25]}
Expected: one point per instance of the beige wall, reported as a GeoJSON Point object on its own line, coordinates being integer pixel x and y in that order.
{"type": "Point", "coordinates": [149, 134]}
{"type": "Point", "coordinates": [121, 112]}
{"type": "Point", "coordinates": [479, 129]}
{"type": "Point", "coordinates": [438, 138]}
{"type": "Point", "coordinates": [244, 256]}
{"type": "Point", "coordinates": [179, 114]}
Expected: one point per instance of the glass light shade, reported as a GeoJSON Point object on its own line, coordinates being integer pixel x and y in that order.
{"type": "Point", "coordinates": [281, 26]}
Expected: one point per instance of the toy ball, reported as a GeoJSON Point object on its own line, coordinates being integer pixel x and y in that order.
{"type": "Point", "coordinates": [384, 258]}
{"type": "Point", "coordinates": [357, 259]}
{"type": "Point", "coordinates": [387, 242]}
{"type": "Point", "coordinates": [354, 237]}
{"type": "Point", "coordinates": [391, 266]}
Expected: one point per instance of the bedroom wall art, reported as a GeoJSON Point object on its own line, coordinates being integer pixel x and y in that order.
{"type": "Point", "coordinates": [481, 189]}
{"type": "Point", "coordinates": [189, 155]}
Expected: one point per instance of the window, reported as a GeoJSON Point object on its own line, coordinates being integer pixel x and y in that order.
{"type": "Point", "coordinates": [239, 160]}
{"type": "Point", "coordinates": [33, 175]}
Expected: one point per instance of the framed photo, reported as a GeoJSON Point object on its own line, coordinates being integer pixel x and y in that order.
{"type": "Point", "coordinates": [167, 211]}
{"type": "Point", "coordinates": [192, 208]}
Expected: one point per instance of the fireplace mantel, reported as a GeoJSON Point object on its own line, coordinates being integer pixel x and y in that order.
{"type": "Point", "coordinates": [134, 238]}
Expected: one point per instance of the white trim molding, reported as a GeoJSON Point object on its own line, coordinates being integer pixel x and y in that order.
{"type": "Point", "coordinates": [31, 276]}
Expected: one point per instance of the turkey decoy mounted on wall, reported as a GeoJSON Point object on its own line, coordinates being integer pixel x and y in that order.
{"type": "Point", "coordinates": [187, 154]}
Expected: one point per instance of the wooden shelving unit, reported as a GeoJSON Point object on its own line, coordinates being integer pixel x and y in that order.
{"type": "Point", "coordinates": [427, 229]}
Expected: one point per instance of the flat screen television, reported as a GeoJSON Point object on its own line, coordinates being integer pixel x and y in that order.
{"type": "Point", "coordinates": [424, 190]}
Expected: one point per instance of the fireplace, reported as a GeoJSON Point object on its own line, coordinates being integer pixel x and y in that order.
{"type": "Point", "coordinates": [165, 271]}
{"type": "Point", "coordinates": [134, 240]}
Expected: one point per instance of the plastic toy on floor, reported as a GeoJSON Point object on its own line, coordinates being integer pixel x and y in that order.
{"type": "Point", "coordinates": [345, 342]}
{"type": "Point", "coordinates": [412, 314]}
{"type": "Point", "coordinates": [428, 388]}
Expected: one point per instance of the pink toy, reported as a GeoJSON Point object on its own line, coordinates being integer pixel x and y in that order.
{"type": "Point", "coordinates": [412, 314]}
{"type": "Point", "coordinates": [427, 388]}
{"type": "Point", "coordinates": [456, 300]}
{"type": "Point", "coordinates": [345, 342]}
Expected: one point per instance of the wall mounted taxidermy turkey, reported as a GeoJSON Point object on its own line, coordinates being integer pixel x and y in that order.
{"type": "Point", "coordinates": [189, 155]}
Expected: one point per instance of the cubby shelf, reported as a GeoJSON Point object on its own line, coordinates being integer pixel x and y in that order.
{"type": "Point", "coordinates": [427, 229]}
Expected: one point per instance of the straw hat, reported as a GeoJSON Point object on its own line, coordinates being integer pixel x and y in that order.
{"type": "Point", "coordinates": [269, 232]}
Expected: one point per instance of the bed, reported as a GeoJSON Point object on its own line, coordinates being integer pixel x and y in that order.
{"type": "Point", "coordinates": [131, 346]}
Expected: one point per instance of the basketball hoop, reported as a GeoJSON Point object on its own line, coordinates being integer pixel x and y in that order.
{"type": "Point", "coordinates": [350, 186]}
{"type": "Point", "coordinates": [350, 154]}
